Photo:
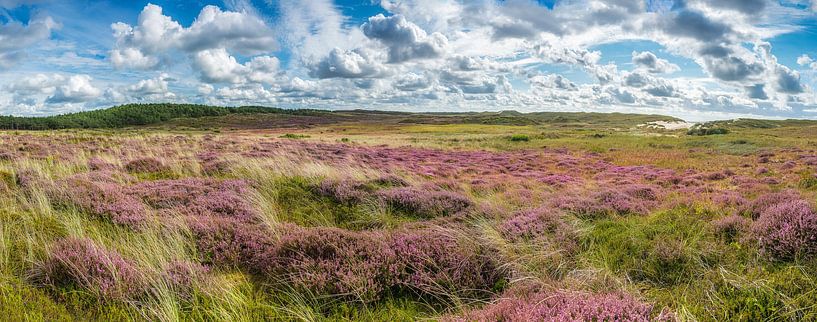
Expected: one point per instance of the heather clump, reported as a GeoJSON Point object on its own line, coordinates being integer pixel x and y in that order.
{"type": "Point", "coordinates": [787, 230]}
{"type": "Point", "coordinates": [564, 306]}
{"type": "Point", "coordinates": [81, 263]}
{"type": "Point", "coordinates": [97, 164]}
{"type": "Point", "coordinates": [103, 199]}
{"type": "Point", "coordinates": [626, 200]}
{"type": "Point", "coordinates": [345, 191]}
{"type": "Point", "coordinates": [227, 242]}
{"type": "Point", "coordinates": [425, 204]}
{"type": "Point", "coordinates": [768, 200]}
{"type": "Point", "coordinates": [332, 261]}
{"type": "Point", "coordinates": [182, 276]}
{"type": "Point", "coordinates": [198, 197]}
{"type": "Point", "coordinates": [146, 165]}
{"type": "Point", "coordinates": [541, 224]}
{"type": "Point", "coordinates": [437, 263]}
{"type": "Point", "coordinates": [731, 227]}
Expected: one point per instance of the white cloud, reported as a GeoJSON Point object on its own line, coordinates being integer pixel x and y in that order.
{"type": "Point", "coordinates": [143, 46]}
{"type": "Point", "coordinates": [16, 37]}
{"type": "Point", "coordinates": [339, 63]}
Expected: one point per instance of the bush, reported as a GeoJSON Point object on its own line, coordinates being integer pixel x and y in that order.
{"type": "Point", "coordinates": [425, 204]}
{"type": "Point", "coordinates": [565, 306]}
{"type": "Point", "coordinates": [332, 261]}
{"type": "Point", "coordinates": [787, 230]}
{"type": "Point", "coordinates": [146, 165]}
{"type": "Point", "coordinates": [435, 263]}
{"type": "Point", "coordinates": [520, 138]}
{"type": "Point", "coordinates": [707, 131]}
{"type": "Point", "coordinates": [198, 197]}
{"type": "Point", "coordinates": [83, 264]}
{"type": "Point", "coordinates": [103, 199]}
{"type": "Point", "coordinates": [539, 224]}
{"type": "Point", "coordinates": [731, 227]}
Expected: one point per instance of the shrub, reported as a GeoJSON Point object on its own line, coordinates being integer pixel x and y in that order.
{"type": "Point", "coordinates": [425, 203]}
{"type": "Point", "coordinates": [198, 197]}
{"type": "Point", "coordinates": [707, 131]}
{"type": "Point", "coordinates": [541, 223]}
{"type": "Point", "coordinates": [787, 230]}
{"type": "Point", "coordinates": [766, 201]}
{"type": "Point", "coordinates": [332, 261]}
{"type": "Point", "coordinates": [436, 263]}
{"type": "Point", "coordinates": [182, 275]}
{"type": "Point", "coordinates": [519, 138]}
{"type": "Point", "coordinates": [624, 200]}
{"type": "Point", "coordinates": [294, 136]}
{"type": "Point", "coordinates": [81, 263]}
{"type": "Point", "coordinates": [103, 199]}
{"type": "Point", "coordinates": [731, 227]}
{"type": "Point", "coordinates": [146, 165]}
{"type": "Point", "coordinates": [564, 306]}
{"type": "Point", "coordinates": [97, 163]}
{"type": "Point", "coordinates": [227, 242]}
{"type": "Point", "coordinates": [345, 191]}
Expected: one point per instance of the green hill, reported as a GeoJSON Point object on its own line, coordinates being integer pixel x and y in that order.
{"type": "Point", "coordinates": [200, 116]}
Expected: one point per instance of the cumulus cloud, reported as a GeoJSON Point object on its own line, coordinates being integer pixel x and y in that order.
{"type": "Point", "coordinates": [653, 64]}
{"type": "Point", "coordinates": [75, 89]}
{"type": "Point", "coordinates": [155, 35]}
{"type": "Point", "coordinates": [348, 64]}
{"type": "Point", "coordinates": [805, 60]}
{"type": "Point", "coordinates": [553, 81]}
{"type": "Point", "coordinates": [405, 40]}
{"type": "Point", "coordinates": [16, 37]}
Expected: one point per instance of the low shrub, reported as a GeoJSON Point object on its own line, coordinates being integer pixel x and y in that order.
{"type": "Point", "coordinates": [81, 263]}
{"type": "Point", "coordinates": [519, 138]}
{"type": "Point", "coordinates": [787, 230]}
{"type": "Point", "coordinates": [332, 261]}
{"type": "Point", "coordinates": [707, 131]}
{"type": "Point", "coordinates": [146, 165]}
{"type": "Point", "coordinates": [103, 199]}
{"type": "Point", "coordinates": [731, 227]}
{"type": "Point", "coordinates": [541, 223]}
{"type": "Point", "coordinates": [435, 263]}
{"type": "Point", "coordinates": [425, 204]}
{"type": "Point", "coordinates": [565, 306]}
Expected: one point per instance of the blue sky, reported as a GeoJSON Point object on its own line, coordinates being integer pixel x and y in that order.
{"type": "Point", "coordinates": [696, 59]}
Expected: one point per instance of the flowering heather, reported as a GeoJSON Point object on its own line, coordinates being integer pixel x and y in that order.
{"type": "Point", "coordinates": [96, 164]}
{"type": "Point", "coordinates": [345, 191]}
{"type": "Point", "coordinates": [787, 229]}
{"type": "Point", "coordinates": [425, 203]}
{"type": "Point", "coordinates": [625, 200]}
{"type": "Point", "coordinates": [731, 227]}
{"type": "Point", "coordinates": [333, 261]}
{"type": "Point", "coordinates": [104, 199]}
{"type": "Point", "coordinates": [184, 275]}
{"type": "Point", "coordinates": [198, 197]}
{"type": "Point", "coordinates": [564, 306]}
{"type": "Point", "coordinates": [81, 263]}
{"type": "Point", "coordinates": [766, 201]}
{"type": "Point", "coordinates": [226, 242]}
{"type": "Point", "coordinates": [541, 223]}
{"type": "Point", "coordinates": [146, 165]}
{"type": "Point", "coordinates": [435, 263]}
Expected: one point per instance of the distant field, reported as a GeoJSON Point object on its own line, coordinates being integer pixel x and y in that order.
{"type": "Point", "coordinates": [207, 213]}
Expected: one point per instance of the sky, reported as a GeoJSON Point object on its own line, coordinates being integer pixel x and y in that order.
{"type": "Point", "coordinates": [694, 59]}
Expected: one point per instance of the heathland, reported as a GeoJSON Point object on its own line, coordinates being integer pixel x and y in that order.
{"type": "Point", "coordinates": [185, 212]}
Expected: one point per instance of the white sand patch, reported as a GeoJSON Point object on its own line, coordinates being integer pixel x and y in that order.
{"type": "Point", "coordinates": [677, 125]}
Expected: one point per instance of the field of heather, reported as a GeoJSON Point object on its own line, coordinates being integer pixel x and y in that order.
{"type": "Point", "coordinates": [396, 220]}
